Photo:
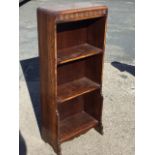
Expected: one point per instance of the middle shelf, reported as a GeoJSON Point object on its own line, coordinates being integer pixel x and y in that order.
{"type": "Point", "coordinates": [77, 52]}
{"type": "Point", "coordinates": [75, 88]}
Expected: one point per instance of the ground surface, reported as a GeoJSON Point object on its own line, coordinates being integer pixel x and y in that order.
{"type": "Point", "coordinates": [118, 88]}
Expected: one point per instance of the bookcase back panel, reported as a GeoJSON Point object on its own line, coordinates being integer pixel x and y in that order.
{"type": "Point", "coordinates": [90, 103]}
{"type": "Point", "coordinates": [80, 32]}
{"type": "Point", "coordinates": [71, 107]}
{"type": "Point", "coordinates": [71, 34]}
{"type": "Point", "coordinates": [90, 67]}
{"type": "Point", "coordinates": [70, 71]}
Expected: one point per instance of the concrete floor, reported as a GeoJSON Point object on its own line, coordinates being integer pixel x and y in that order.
{"type": "Point", "coordinates": [118, 88]}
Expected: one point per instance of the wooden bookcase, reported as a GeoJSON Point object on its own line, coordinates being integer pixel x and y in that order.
{"type": "Point", "coordinates": [71, 49]}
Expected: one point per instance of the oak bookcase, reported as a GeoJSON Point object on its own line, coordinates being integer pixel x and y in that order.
{"type": "Point", "coordinates": [71, 50]}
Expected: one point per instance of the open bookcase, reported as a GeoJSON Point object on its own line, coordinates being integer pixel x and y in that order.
{"type": "Point", "coordinates": [71, 49]}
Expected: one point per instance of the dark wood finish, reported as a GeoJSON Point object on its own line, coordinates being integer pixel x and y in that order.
{"type": "Point", "coordinates": [75, 125]}
{"type": "Point", "coordinates": [93, 106]}
{"type": "Point", "coordinates": [77, 52]}
{"type": "Point", "coordinates": [90, 67]}
{"type": "Point", "coordinates": [71, 50]}
{"type": "Point", "coordinates": [48, 79]}
{"type": "Point", "coordinates": [76, 88]}
{"type": "Point", "coordinates": [71, 107]}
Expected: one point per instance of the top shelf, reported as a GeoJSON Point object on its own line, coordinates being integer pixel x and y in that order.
{"type": "Point", "coordinates": [77, 52]}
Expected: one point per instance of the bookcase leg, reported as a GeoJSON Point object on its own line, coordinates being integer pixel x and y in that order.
{"type": "Point", "coordinates": [99, 129]}
{"type": "Point", "coordinates": [59, 153]}
{"type": "Point", "coordinates": [59, 150]}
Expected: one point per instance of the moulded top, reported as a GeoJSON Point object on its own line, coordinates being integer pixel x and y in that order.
{"type": "Point", "coordinates": [75, 11]}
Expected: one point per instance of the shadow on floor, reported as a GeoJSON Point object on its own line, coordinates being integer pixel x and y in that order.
{"type": "Point", "coordinates": [23, 2]}
{"type": "Point", "coordinates": [124, 67]}
{"type": "Point", "coordinates": [30, 69]}
{"type": "Point", "coordinates": [22, 145]}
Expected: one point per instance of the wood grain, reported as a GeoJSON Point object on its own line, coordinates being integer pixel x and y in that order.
{"type": "Point", "coordinates": [77, 52]}
{"type": "Point", "coordinates": [75, 125]}
{"type": "Point", "coordinates": [75, 88]}
{"type": "Point", "coordinates": [71, 51]}
{"type": "Point", "coordinates": [48, 80]}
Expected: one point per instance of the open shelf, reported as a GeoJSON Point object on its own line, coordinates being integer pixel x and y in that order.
{"type": "Point", "coordinates": [75, 125]}
{"type": "Point", "coordinates": [75, 88]}
{"type": "Point", "coordinates": [77, 52]}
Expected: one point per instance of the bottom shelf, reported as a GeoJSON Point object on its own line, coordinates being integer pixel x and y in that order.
{"type": "Point", "coordinates": [76, 125]}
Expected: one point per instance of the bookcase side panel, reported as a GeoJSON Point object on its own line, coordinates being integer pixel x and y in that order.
{"type": "Point", "coordinates": [93, 105]}
{"type": "Point", "coordinates": [48, 79]}
{"type": "Point", "coordinates": [96, 36]}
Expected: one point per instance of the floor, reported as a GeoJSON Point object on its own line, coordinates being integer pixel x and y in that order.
{"type": "Point", "coordinates": [118, 86]}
